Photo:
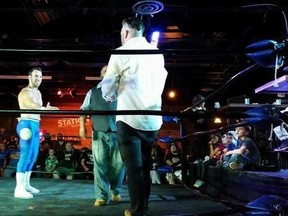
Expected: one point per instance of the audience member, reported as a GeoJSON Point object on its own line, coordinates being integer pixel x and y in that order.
{"type": "Point", "coordinates": [11, 167]}
{"type": "Point", "coordinates": [216, 150]}
{"type": "Point", "coordinates": [47, 140]}
{"type": "Point", "coordinates": [174, 160]}
{"type": "Point", "coordinates": [59, 145]}
{"type": "Point", "coordinates": [246, 153]}
{"type": "Point", "coordinates": [39, 165]}
{"type": "Point", "coordinates": [51, 162]}
{"type": "Point", "coordinates": [86, 163]}
{"type": "Point", "coordinates": [12, 142]}
{"type": "Point", "coordinates": [4, 154]}
{"type": "Point", "coordinates": [194, 147]}
{"type": "Point", "coordinates": [156, 163]}
{"type": "Point", "coordinates": [68, 163]}
{"type": "Point", "coordinates": [2, 132]}
{"type": "Point", "coordinates": [223, 138]}
{"type": "Point", "coordinates": [230, 141]}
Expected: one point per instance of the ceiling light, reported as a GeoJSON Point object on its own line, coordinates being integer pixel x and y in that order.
{"type": "Point", "coordinates": [93, 78]}
{"type": "Point", "coordinates": [59, 92]}
{"type": "Point", "coordinates": [172, 94]}
{"type": "Point", "coordinates": [172, 27]}
{"type": "Point", "coordinates": [22, 77]}
{"type": "Point", "coordinates": [154, 38]}
{"type": "Point", "coordinates": [265, 53]}
{"type": "Point", "coordinates": [67, 91]}
{"type": "Point", "coordinates": [148, 7]}
{"type": "Point", "coordinates": [217, 120]}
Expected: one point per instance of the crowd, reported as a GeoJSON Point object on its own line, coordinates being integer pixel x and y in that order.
{"type": "Point", "coordinates": [59, 159]}
{"type": "Point", "coordinates": [122, 142]}
{"type": "Point", "coordinates": [232, 150]}
{"type": "Point", "coordinates": [56, 158]}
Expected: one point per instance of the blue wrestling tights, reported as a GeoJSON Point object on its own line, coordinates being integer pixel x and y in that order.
{"type": "Point", "coordinates": [28, 132]}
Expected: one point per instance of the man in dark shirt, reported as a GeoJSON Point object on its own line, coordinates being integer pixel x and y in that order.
{"type": "Point", "coordinates": [86, 163]}
{"type": "Point", "coordinates": [247, 151]}
{"type": "Point", "coordinates": [108, 166]}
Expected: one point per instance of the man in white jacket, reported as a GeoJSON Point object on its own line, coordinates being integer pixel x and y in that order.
{"type": "Point", "coordinates": [137, 81]}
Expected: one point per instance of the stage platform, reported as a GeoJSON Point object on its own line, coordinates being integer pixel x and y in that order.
{"type": "Point", "coordinates": [76, 197]}
{"type": "Point", "coordinates": [225, 193]}
{"type": "Point", "coordinates": [245, 186]}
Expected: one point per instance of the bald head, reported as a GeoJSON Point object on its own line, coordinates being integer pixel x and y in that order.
{"type": "Point", "coordinates": [103, 71]}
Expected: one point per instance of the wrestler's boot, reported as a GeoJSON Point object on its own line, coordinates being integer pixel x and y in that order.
{"type": "Point", "coordinates": [20, 191]}
{"type": "Point", "coordinates": [28, 187]}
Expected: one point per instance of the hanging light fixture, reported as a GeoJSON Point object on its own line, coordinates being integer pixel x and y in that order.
{"type": "Point", "coordinates": [147, 7]}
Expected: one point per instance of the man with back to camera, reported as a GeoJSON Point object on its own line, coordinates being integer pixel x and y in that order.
{"type": "Point", "coordinates": [137, 81]}
{"type": "Point", "coordinates": [28, 129]}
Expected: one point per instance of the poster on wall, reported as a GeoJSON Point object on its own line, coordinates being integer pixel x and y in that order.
{"type": "Point", "coordinates": [67, 126]}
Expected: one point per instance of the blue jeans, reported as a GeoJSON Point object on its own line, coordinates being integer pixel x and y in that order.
{"type": "Point", "coordinates": [28, 131]}
{"type": "Point", "coordinates": [202, 167]}
{"type": "Point", "coordinates": [238, 158]}
{"type": "Point", "coordinates": [135, 147]}
{"type": "Point", "coordinates": [108, 166]}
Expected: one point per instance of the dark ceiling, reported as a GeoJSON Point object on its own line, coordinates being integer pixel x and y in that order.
{"type": "Point", "coordinates": [203, 42]}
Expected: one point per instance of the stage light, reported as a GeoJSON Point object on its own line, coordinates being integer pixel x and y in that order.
{"type": "Point", "coordinates": [154, 38]}
{"type": "Point", "coordinates": [67, 92]}
{"type": "Point", "coordinates": [267, 53]}
{"type": "Point", "coordinates": [172, 94]}
{"type": "Point", "coordinates": [93, 78]}
{"type": "Point", "coordinates": [59, 92]}
{"type": "Point", "coordinates": [20, 77]}
{"type": "Point", "coordinates": [217, 120]}
{"type": "Point", "coordinates": [147, 7]}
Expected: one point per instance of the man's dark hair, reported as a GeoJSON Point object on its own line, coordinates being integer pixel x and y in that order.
{"type": "Point", "coordinates": [134, 23]}
{"type": "Point", "coordinates": [247, 128]}
{"type": "Point", "coordinates": [35, 68]}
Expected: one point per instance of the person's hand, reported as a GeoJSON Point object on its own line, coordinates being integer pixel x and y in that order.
{"type": "Point", "coordinates": [169, 162]}
{"type": "Point", "coordinates": [49, 107]}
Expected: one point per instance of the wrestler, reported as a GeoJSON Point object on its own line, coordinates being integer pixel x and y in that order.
{"type": "Point", "coordinates": [28, 129]}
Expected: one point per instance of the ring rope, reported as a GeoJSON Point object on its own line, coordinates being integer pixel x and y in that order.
{"type": "Point", "coordinates": [126, 112]}
{"type": "Point", "coordinates": [116, 52]}
{"type": "Point", "coordinates": [42, 171]}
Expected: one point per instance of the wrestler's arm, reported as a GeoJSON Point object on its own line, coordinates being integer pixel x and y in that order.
{"type": "Point", "coordinates": [49, 107]}
{"type": "Point", "coordinates": [27, 101]}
